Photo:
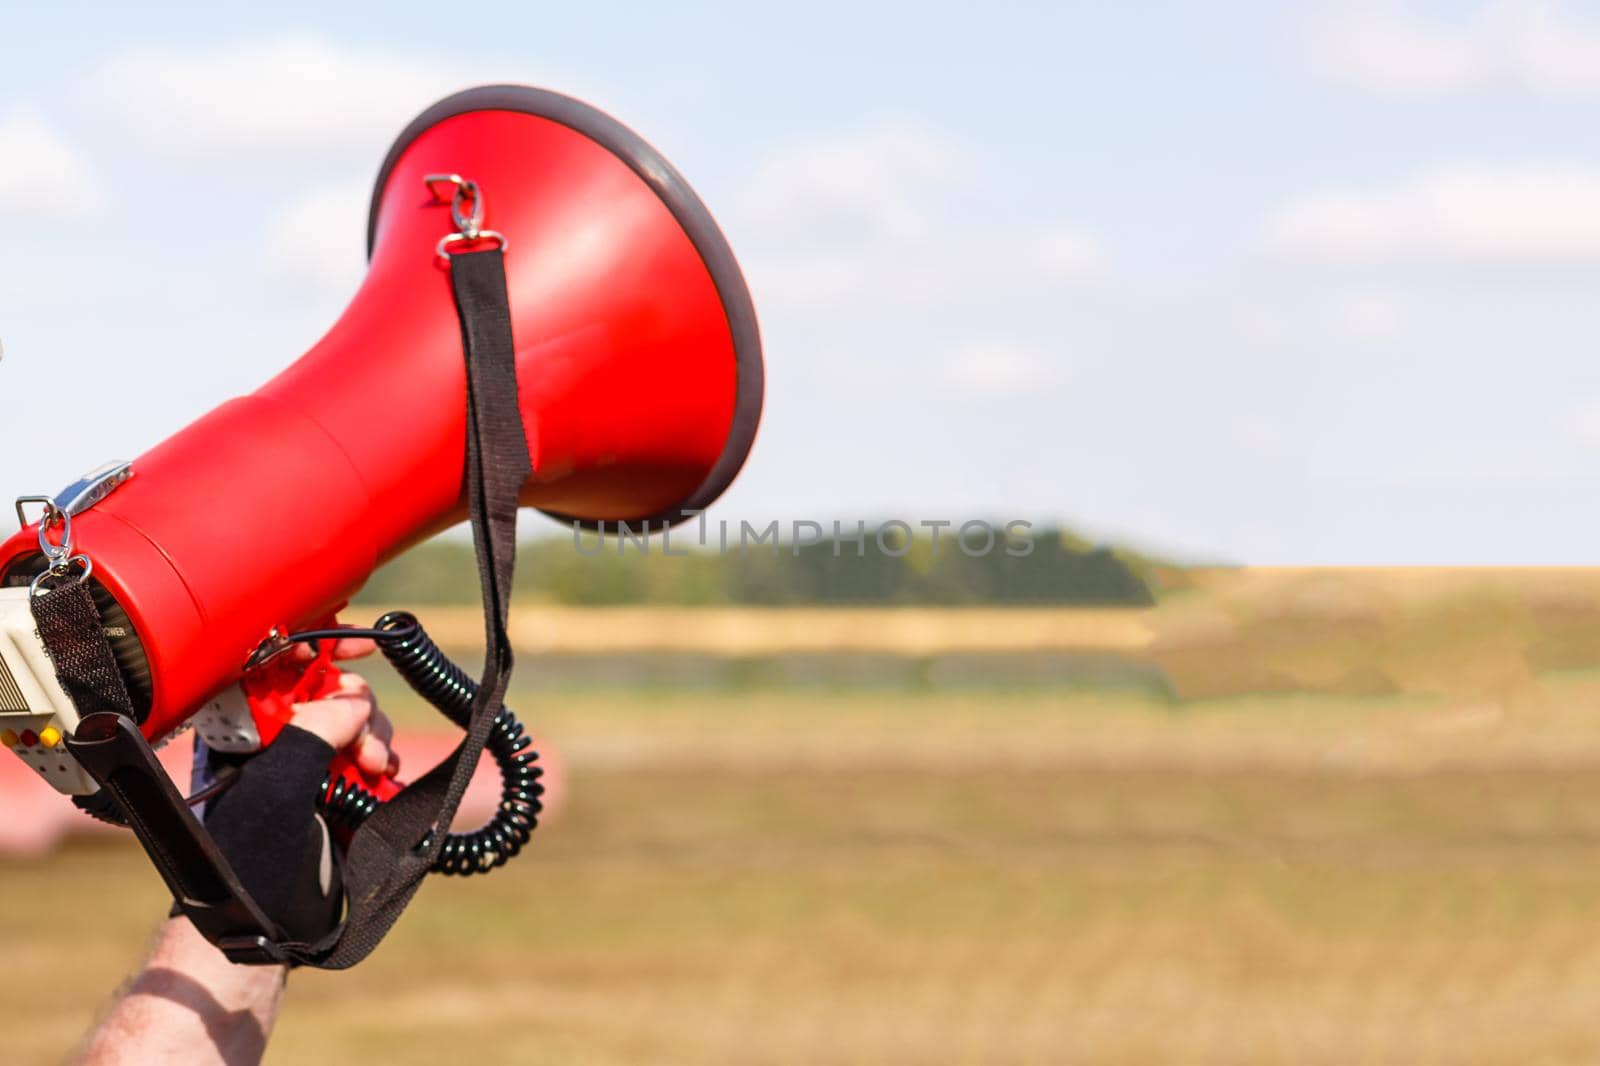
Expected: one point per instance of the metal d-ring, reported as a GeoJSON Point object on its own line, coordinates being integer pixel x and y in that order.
{"type": "Point", "coordinates": [22, 517]}
{"type": "Point", "coordinates": [443, 249]}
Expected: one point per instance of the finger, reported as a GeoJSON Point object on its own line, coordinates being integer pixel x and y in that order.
{"type": "Point", "coordinates": [339, 720]}
{"type": "Point", "coordinates": [393, 769]}
{"type": "Point", "coordinates": [356, 707]}
{"type": "Point", "coordinates": [354, 685]}
{"type": "Point", "coordinates": [372, 754]}
{"type": "Point", "coordinates": [380, 726]}
{"type": "Point", "coordinates": [354, 647]}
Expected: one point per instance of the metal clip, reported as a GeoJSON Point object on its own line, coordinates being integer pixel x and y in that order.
{"type": "Point", "coordinates": [466, 211]}
{"type": "Point", "coordinates": [58, 554]}
{"type": "Point", "coordinates": [273, 645]}
{"type": "Point", "coordinates": [76, 498]}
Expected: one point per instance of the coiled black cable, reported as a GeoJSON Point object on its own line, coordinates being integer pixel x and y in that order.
{"type": "Point", "coordinates": [426, 668]}
{"type": "Point", "coordinates": [431, 673]}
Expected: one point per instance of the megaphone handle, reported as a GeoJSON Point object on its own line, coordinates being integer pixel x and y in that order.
{"type": "Point", "coordinates": [348, 795]}
{"type": "Point", "coordinates": [273, 690]}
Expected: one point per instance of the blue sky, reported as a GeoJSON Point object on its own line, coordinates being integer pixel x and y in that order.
{"type": "Point", "coordinates": [1270, 283]}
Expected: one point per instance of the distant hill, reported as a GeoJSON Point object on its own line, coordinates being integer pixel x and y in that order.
{"type": "Point", "coordinates": [1045, 566]}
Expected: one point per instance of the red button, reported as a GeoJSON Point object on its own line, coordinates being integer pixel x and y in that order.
{"type": "Point", "coordinates": [29, 738]}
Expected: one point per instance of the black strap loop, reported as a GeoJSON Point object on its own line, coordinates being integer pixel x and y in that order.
{"type": "Point", "coordinates": [69, 624]}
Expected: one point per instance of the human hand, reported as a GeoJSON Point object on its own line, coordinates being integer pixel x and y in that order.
{"type": "Point", "coordinates": [350, 719]}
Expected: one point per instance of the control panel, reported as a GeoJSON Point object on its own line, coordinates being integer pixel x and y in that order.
{"type": "Point", "coordinates": [35, 714]}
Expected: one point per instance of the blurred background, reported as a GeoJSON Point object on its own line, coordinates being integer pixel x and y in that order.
{"type": "Point", "coordinates": [1272, 320]}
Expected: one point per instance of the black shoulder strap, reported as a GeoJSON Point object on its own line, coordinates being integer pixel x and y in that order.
{"type": "Point", "coordinates": [394, 849]}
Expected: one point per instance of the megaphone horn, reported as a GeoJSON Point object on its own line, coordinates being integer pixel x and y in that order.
{"type": "Point", "coordinates": [640, 388]}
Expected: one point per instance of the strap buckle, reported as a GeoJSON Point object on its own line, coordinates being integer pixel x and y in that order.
{"type": "Point", "coordinates": [252, 951]}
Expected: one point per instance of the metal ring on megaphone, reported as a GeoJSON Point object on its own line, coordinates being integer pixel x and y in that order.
{"type": "Point", "coordinates": [448, 239]}
{"type": "Point", "coordinates": [22, 501]}
{"type": "Point", "coordinates": [61, 569]}
{"type": "Point", "coordinates": [455, 181]}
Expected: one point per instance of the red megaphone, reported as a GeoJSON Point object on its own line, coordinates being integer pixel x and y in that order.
{"type": "Point", "coordinates": [640, 386]}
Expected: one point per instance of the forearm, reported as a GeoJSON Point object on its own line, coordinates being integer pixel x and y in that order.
{"type": "Point", "coordinates": [189, 1005]}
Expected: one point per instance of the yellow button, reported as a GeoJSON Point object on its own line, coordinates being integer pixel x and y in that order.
{"type": "Point", "coordinates": [8, 738]}
{"type": "Point", "coordinates": [49, 736]}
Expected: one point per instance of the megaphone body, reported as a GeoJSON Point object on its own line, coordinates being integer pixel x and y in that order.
{"type": "Point", "coordinates": [639, 385]}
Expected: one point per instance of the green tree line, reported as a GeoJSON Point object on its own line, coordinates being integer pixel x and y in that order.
{"type": "Point", "coordinates": [1044, 566]}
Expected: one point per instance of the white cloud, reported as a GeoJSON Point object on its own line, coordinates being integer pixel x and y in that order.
{"type": "Point", "coordinates": [870, 220]}
{"type": "Point", "coordinates": [288, 97]}
{"type": "Point", "coordinates": [1480, 214]}
{"type": "Point", "coordinates": [1372, 317]}
{"type": "Point", "coordinates": [303, 98]}
{"type": "Point", "coordinates": [857, 185]}
{"type": "Point", "coordinates": [1000, 369]}
{"type": "Point", "coordinates": [1534, 45]}
{"type": "Point", "coordinates": [40, 173]}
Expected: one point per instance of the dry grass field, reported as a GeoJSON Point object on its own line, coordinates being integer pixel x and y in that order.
{"type": "Point", "coordinates": [1362, 826]}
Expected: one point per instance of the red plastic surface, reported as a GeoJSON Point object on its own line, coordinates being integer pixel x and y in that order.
{"type": "Point", "coordinates": [275, 687]}
{"type": "Point", "coordinates": [275, 507]}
